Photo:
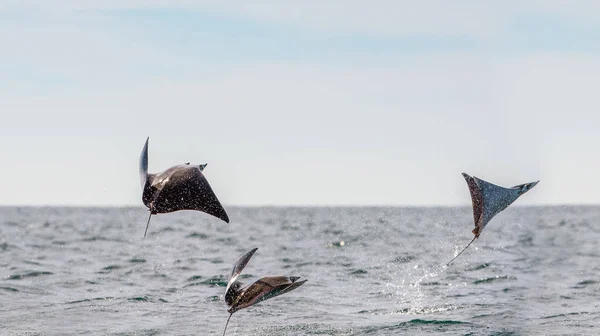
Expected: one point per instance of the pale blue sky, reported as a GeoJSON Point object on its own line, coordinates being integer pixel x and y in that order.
{"type": "Point", "coordinates": [300, 102]}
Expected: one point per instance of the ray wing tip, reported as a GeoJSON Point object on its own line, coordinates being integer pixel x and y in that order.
{"type": "Point", "coordinates": [299, 283]}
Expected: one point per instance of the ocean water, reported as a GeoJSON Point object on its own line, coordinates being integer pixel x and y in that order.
{"type": "Point", "coordinates": [370, 271]}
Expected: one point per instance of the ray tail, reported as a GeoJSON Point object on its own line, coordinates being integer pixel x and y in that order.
{"type": "Point", "coordinates": [463, 250]}
{"type": "Point", "coordinates": [148, 224]}
{"type": "Point", "coordinates": [226, 324]}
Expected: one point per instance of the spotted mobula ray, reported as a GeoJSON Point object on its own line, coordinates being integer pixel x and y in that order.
{"type": "Point", "coordinates": [263, 289]}
{"type": "Point", "coordinates": [488, 200]}
{"type": "Point", "coordinates": [181, 187]}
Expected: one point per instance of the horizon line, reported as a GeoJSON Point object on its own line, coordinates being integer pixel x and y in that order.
{"type": "Point", "coordinates": [300, 205]}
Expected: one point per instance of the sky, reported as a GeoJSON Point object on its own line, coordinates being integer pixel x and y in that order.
{"type": "Point", "coordinates": [309, 102]}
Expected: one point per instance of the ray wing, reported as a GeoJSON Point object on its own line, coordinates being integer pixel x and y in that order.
{"type": "Point", "coordinates": [184, 187]}
{"type": "Point", "coordinates": [264, 289]}
{"type": "Point", "coordinates": [525, 187]}
{"type": "Point", "coordinates": [144, 164]}
{"type": "Point", "coordinates": [476, 199]}
{"type": "Point", "coordinates": [495, 199]}
{"type": "Point", "coordinates": [238, 268]}
{"type": "Point", "coordinates": [281, 285]}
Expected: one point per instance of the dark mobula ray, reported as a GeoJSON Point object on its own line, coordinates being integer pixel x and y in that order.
{"type": "Point", "coordinates": [265, 288]}
{"type": "Point", "coordinates": [488, 200]}
{"type": "Point", "coordinates": [181, 187]}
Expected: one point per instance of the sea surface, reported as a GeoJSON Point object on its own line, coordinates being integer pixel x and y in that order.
{"type": "Point", "coordinates": [370, 271]}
